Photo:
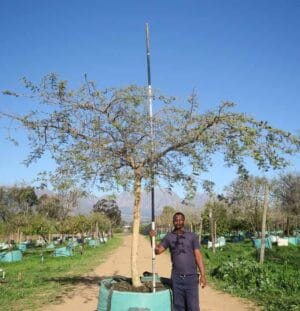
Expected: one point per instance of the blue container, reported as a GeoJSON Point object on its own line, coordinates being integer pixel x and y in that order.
{"type": "Point", "coordinates": [161, 235]}
{"type": "Point", "coordinates": [94, 243]}
{"type": "Point", "coordinates": [11, 256]}
{"type": "Point", "coordinates": [113, 300]}
{"type": "Point", "coordinates": [63, 252]}
{"type": "Point", "coordinates": [50, 246]}
{"type": "Point", "coordinates": [257, 243]}
{"type": "Point", "coordinates": [22, 247]}
{"type": "Point", "coordinates": [293, 240]}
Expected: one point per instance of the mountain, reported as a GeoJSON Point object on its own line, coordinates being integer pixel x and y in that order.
{"type": "Point", "coordinates": [162, 198]}
{"type": "Point", "coordinates": [125, 201]}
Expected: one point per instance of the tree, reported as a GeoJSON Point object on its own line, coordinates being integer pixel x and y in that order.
{"type": "Point", "coordinates": [39, 225]}
{"type": "Point", "coordinates": [50, 207]}
{"type": "Point", "coordinates": [246, 197]}
{"type": "Point", "coordinates": [287, 193]}
{"type": "Point", "coordinates": [108, 206]}
{"type": "Point", "coordinates": [5, 211]}
{"type": "Point", "coordinates": [102, 137]}
{"type": "Point", "coordinates": [17, 200]}
{"type": "Point", "coordinates": [81, 224]}
{"type": "Point", "coordinates": [164, 220]}
{"type": "Point", "coordinates": [208, 186]}
{"type": "Point", "coordinates": [100, 223]}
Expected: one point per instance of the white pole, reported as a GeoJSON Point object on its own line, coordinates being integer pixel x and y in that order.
{"type": "Point", "coordinates": [152, 151]}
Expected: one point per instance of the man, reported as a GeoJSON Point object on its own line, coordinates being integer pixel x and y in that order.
{"type": "Point", "coordinates": [186, 257]}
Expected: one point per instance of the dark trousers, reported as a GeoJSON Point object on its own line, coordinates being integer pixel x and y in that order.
{"type": "Point", "coordinates": [185, 292]}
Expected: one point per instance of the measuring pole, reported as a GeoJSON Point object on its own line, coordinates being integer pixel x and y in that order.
{"type": "Point", "coordinates": [152, 151]}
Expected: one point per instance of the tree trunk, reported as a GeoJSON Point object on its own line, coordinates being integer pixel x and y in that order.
{"type": "Point", "coordinates": [215, 231]}
{"type": "Point", "coordinates": [135, 230]}
{"type": "Point", "coordinates": [200, 229]}
{"type": "Point", "coordinates": [287, 228]}
{"type": "Point", "coordinates": [18, 235]}
{"type": "Point", "coordinates": [263, 226]}
{"type": "Point", "coordinates": [97, 230]}
{"type": "Point", "coordinates": [211, 224]}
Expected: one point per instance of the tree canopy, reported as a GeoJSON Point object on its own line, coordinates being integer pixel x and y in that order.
{"type": "Point", "coordinates": [109, 207]}
{"type": "Point", "coordinates": [103, 137]}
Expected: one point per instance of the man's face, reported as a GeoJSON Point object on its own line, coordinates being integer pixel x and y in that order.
{"type": "Point", "coordinates": [178, 222]}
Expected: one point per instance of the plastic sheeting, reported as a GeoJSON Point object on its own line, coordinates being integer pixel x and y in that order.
{"type": "Point", "coordinates": [11, 256]}
{"type": "Point", "coordinates": [257, 243]}
{"type": "Point", "coordinates": [94, 243]}
{"type": "Point", "coordinates": [63, 252]}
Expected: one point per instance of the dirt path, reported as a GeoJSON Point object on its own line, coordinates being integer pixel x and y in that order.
{"type": "Point", "coordinates": [85, 296]}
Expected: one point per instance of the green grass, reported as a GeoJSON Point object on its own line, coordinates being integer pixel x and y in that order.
{"type": "Point", "coordinates": [275, 285]}
{"type": "Point", "coordinates": [31, 284]}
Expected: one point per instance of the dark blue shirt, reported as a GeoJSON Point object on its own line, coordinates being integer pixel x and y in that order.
{"type": "Point", "coordinates": [182, 251]}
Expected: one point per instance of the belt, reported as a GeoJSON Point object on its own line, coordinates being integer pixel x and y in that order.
{"type": "Point", "coordinates": [182, 275]}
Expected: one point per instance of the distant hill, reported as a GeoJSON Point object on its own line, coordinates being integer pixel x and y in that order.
{"type": "Point", "coordinates": [125, 201]}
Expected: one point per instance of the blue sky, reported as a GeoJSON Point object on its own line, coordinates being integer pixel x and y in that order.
{"type": "Point", "coordinates": [245, 51]}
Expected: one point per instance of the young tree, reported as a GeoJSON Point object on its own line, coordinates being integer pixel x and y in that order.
{"type": "Point", "coordinates": [100, 223]}
{"type": "Point", "coordinates": [103, 137]}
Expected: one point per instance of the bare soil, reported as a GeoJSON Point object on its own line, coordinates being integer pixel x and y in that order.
{"type": "Point", "coordinates": [85, 296]}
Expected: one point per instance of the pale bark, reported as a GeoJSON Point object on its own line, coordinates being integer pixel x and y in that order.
{"type": "Point", "coordinates": [263, 226]}
{"type": "Point", "coordinates": [200, 229]}
{"type": "Point", "coordinates": [135, 230]}
{"type": "Point", "coordinates": [18, 235]}
{"type": "Point", "coordinates": [212, 235]}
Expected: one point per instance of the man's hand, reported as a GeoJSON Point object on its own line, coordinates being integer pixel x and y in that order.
{"type": "Point", "coordinates": [152, 233]}
{"type": "Point", "coordinates": [202, 281]}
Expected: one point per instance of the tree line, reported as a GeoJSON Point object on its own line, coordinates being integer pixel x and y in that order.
{"type": "Point", "coordinates": [23, 213]}
{"type": "Point", "coordinates": [240, 207]}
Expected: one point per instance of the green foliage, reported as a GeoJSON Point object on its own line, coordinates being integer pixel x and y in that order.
{"type": "Point", "coordinates": [50, 206]}
{"type": "Point", "coordinates": [103, 137]}
{"type": "Point", "coordinates": [246, 199]}
{"type": "Point", "coordinates": [16, 200]}
{"type": "Point", "coordinates": [39, 225]}
{"type": "Point", "coordinates": [220, 215]}
{"type": "Point", "coordinates": [108, 206]}
{"type": "Point", "coordinates": [275, 285]}
{"type": "Point", "coordinates": [287, 195]}
{"type": "Point", "coordinates": [100, 222]}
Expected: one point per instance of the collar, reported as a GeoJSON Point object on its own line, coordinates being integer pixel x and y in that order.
{"type": "Point", "coordinates": [174, 232]}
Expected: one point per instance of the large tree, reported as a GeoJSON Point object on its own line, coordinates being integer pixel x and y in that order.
{"type": "Point", "coordinates": [109, 207]}
{"type": "Point", "coordinates": [50, 207]}
{"type": "Point", "coordinates": [287, 194]}
{"type": "Point", "coordinates": [103, 137]}
{"type": "Point", "coordinates": [246, 198]}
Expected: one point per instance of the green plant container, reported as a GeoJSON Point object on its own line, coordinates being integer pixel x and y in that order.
{"type": "Point", "coordinates": [94, 243]}
{"type": "Point", "coordinates": [50, 246]}
{"type": "Point", "coordinates": [63, 252]}
{"type": "Point", "coordinates": [113, 300]}
{"type": "Point", "coordinates": [11, 256]}
{"type": "Point", "coordinates": [257, 243]}
{"type": "Point", "coordinates": [161, 235]}
{"type": "Point", "coordinates": [22, 247]}
{"type": "Point", "coordinates": [293, 240]}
